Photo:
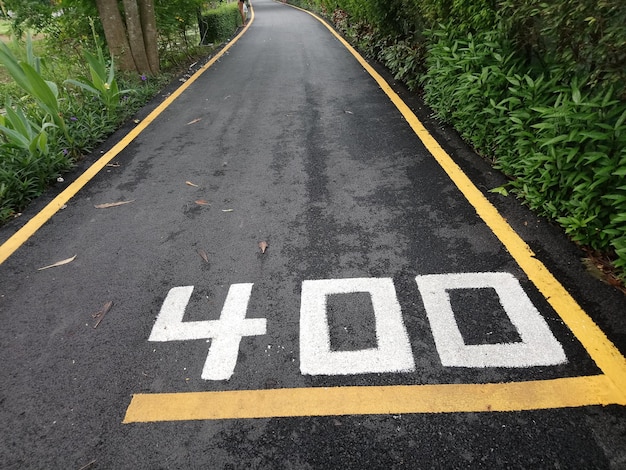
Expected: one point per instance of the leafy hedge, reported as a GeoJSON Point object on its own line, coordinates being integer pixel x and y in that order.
{"type": "Point", "coordinates": [537, 86]}
{"type": "Point", "coordinates": [219, 23]}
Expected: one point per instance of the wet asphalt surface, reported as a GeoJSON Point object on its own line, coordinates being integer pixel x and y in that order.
{"type": "Point", "coordinates": [286, 140]}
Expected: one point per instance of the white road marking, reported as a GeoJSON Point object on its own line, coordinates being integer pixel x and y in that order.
{"type": "Point", "coordinates": [225, 333]}
{"type": "Point", "coordinates": [393, 352]}
{"type": "Point", "coordinates": [538, 347]}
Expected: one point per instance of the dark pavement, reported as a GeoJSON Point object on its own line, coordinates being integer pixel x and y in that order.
{"type": "Point", "coordinates": [306, 220]}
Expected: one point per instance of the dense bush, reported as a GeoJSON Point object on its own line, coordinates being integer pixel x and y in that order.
{"type": "Point", "coordinates": [563, 141]}
{"type": "Point", "coordinates": [586, 36]}
{"type": "Point", "coordinates": [219, 23]}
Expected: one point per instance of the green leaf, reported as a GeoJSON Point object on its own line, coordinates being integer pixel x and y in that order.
{"type": "Point", "coordinates": [594, 135]}
{"type": "Point", "coordinates": [500, 190]}
{"type": "Point", "coordinates": [554, 140]}
{"type": "Point", "coordinates": [543, 125]}
{"type": "Point", "coordinates": [17, 120]}
{"type": "Point", "coordinates": [576, 97]}
{"type": "Point", "coordinates": [620, 120]}
{"type": "Point", "coordinates": [618, 219]}
{"type": "Point", "coordinates": [97, 67]}
{"type": "Point", "coordinates": [15, 138]}
{"type": "Point", "coordinates": [41, 90]}
{"type": "Point", "coordinates": [13, 67]}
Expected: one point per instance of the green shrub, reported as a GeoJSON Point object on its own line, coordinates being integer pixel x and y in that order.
{"type": "Point", "coordinates": [406, 60]}
{"type": "Point", "coordinates": [574, 164]}
{"type": "Point", "coordinates": [561, 139]}
{"type": "Point", "coordinates": [220, 23]}
{"type": "Point", "coordinates": [464, 76]}
{"type": "Point", "coordinates": [586, 36]}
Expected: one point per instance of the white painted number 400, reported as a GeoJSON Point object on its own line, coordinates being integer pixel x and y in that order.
{"type": "Point", "coordinates": [537, 345]}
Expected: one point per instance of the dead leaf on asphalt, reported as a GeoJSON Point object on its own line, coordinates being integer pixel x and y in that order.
{"type": "Point", "coordinates": [189, 183]}
{"type": "Point", "coordinates": [99, 315]}
{"type": "Point", "coordinates": [203, 255]}
{"type": "Point", "coordinates": [85, 467]}
{"type": "Point", "coordinates": [194, 121]}
{"type": "Point", "coordinates": [263, 245]}
{"type": "Point", "coordinates": [112, 204]}
{"type": "Point", "coordinates": [202, 202]}
{"type": "Point", "coordinates": [59, 263]}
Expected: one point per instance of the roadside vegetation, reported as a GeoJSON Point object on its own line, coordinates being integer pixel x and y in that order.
{"type": "Point", "coordinates": [537, 87]}
{"type": "Point", "coordinates": [62, 92]}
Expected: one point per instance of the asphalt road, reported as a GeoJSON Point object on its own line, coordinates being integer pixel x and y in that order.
{"type": "Point", "coordinates": [345, 304]}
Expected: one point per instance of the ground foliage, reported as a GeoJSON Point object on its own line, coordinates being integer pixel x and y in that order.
{"type": "Point", "coordinates": [61, 95]}
{"type": "Point", "coordinates": [536, 86]}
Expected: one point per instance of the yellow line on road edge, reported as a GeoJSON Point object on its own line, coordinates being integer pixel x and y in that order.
{"type": "Point", "coordinates": [394, 399]}
{"type": "Point", "coordinates": [28, 230]}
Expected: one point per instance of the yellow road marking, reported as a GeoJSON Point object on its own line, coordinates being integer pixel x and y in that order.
{"type": "Point", "coordinates": [394, 399]}
{"type": "Point", "coordinates": [606, 389]}
{"type": "Point", "coordinates": [28, 230]}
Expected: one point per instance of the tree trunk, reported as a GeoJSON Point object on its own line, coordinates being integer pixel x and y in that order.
{"type": "Point", "coordinates": [150, 34]}
{"type": "Point", "coordinates": [135, 36]}
{"type": "Point", "coordinates": [115, 33]}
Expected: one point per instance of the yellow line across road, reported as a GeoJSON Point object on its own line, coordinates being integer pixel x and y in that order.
{"type": "Point", "coordinates": [394, 399]}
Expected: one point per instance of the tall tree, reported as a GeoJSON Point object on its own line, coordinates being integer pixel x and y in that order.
{"type": "Point", "coordinates": [132, 38]}
{"type": "Point", "coordinates": [115, 33]}
{"type": "Point", "coordinates": [150, 33]}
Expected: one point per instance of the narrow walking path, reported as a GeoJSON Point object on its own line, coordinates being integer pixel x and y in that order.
{"type": "Point", "coordinates": [275, 271]}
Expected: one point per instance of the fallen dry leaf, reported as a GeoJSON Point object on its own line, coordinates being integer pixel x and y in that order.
{"type": "Point", "coordinates": [99, 315]}
{"type": "Point", "coordinates": [59, 263]}
{"type": "Point", "coordinates": [85, 467]}
{"type": "Point", "coordinates": [112, 204]}
{"type": "Point", "coordinates": [263, 245]}
{"type": "Point", "coordinates": [189, 183]}
{"type": "Point", "coordinates": [203, 255]}
{"type": "Point", "coordinates": [202, 202]}
{"type": "Point", "coordinates": [194, 121]}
